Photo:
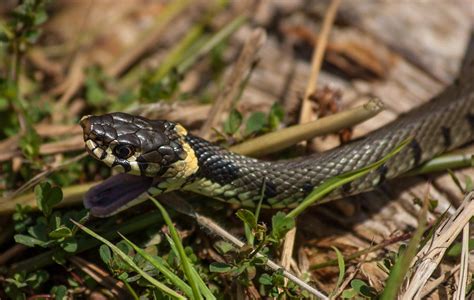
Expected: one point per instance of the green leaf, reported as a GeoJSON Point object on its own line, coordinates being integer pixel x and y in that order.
{"type": "Point", "coordinates": [124, 276]}
{"type": "Point", "coordinates": [342, 269]}
{"type": "Point", "coordinates": [59, 257]}
{"type": "Point", "coordinates": [28, 240]}
{"type": "Point", "coordinates": [39, 231]}
{"type": "Point", "coordinates": [362, 288]}
{"type": "Point", "coordinates": [276, 115]}
{"type": "Point", "coordinates": [30, 143]}
{"type": "Point", "coordinates": [357, 284]}
{"type": "Point", "coordinates": [69, 245]}
{"type": "Point", "coordinates": [247, 217]}
{"type": "Point", "coordinates": [3, 103]}
{"type": "Point", "coordinates": [105, 254]}
{"type": "Point", "coordinates": [59, 292]}
{"type": "Point", "coordinates": [219, 267]}
{"type": "Point", "coordinates": [349, 294]}
{"type": "Point", "coordinates": [47, 197]}
{"type": "Point", "coordinates": [281, 224]}
{"type": "Point", "coordinates": [256, 123]}
{"type": "Point", "coordinates": [36, 279]}
{"type": "Point", "coordinates": [60, 232]}
{"type": "Point", "coordinates": [232, 124]}
{"type": "Point", "coordinates": [265, 279]}
{"type": "Point", "coordinates": [223, 247]}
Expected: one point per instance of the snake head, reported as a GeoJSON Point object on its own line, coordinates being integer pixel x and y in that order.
{"type": "Point", "coordinates": [146, 152]}
{"type": "Point", "coordinates": [132, 144]}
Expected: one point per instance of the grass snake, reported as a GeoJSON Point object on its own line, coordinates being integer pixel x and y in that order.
{"type": "Point", "coordinates": [157, 156]}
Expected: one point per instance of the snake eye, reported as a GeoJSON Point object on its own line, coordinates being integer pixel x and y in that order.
{"type": "Point", "coordinates": [124, 151]}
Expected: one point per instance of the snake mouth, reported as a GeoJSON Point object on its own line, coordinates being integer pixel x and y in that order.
{"type": "Point", "coordinates": [116, 193]}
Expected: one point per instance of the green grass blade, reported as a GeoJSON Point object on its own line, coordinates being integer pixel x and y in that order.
{"type": "Point", "coordinates": [402, 264]}
{"type": "Point", "coordinates": [342, 270]}
{"type": "Point", "coordinates": [337, 181]}
{"type": "Point", "coordinates": [444, 162]}
{"type": "Point", "coordinates": [161, 268]}
{"type": "Point", "coordinates": [187, 269]}
{"type": "Point", "coordinates": [202, 286]}
{"type": "Point", "coordinates": [130, 262]}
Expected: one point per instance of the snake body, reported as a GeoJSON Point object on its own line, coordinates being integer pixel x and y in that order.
{"type": "Point", "coordinates": [157, 156]}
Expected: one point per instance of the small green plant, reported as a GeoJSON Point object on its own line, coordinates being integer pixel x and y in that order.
{"type": "Point", "coordinates": [257, 122]}
{"type": "Point", "coordinates": [19, 283]}
{"type": "Point", "coordinates": [359, 290]}
{"type": "Point", "coordinates": [53, 229]}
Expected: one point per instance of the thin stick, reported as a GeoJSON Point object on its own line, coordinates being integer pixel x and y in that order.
{"type": "Point", "coordinates": [287, 252]}
{"type": "Point", "coordinates": [281, 139]}
{"type": "Point", "coordinates": [15, 250]}
{"type": "Point", "coordinates": [72, 196]}
{"type": "Point", "coordinates": [102, 277]}
{"type": "Point", "coordinates": [461, 290]}
{"type": "Point", "coordinates": [215, 228]}
{"type": "Point", "coordinates": [428, 288]}
{"type": "Point", "coordinates": [316, 61]}
{"type": "Point", "coordinates": [38, 177]}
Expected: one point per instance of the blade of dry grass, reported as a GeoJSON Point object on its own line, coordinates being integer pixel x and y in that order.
{"type": "Point", "coordinates": [115, 286]}
{"type": "Point", "coordinates": [460, 292]}
{"type": "Point", "coordinates": [430, 286]}
{"type": "Point", "coordinates": [429, 257]}
{"type": "Point", "coordinates": [317, 59]}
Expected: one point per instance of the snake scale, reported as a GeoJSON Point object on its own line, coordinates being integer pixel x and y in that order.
{"type": "Point", "coordinates": [157, 156]}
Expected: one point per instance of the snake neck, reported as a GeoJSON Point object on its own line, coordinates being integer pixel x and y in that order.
{"type": "Point", "coordinates": [217, 163]}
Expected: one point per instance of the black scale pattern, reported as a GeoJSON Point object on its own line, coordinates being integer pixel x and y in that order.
{"type": "Point", "coordinates": [442, 124]}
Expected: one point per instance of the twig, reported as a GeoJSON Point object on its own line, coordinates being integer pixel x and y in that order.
{"type": "Point", "coordinates": [430, 286]}
{"type": "Point", "coordinates": [430, 256]}
{"type": "Point", "coordinates": [38, 177]}
{"type": "Point", "coordinates": [215, 228]}
{"type": "Point", "coordinates": [72, 196]}
{"type": "Point", "coordinates": [234, 80]}
{"type": "Point", "coordinates": [287, 251]}
{"type": "Point", "coordinates": [460, 292]}
{"type": "Point", "coordinates": [368, 250]}
{"type": "Point", "coordinates": [15, 250]}
{"type": "Point", "coordinates": [100, 276]}
{"type": "Point", "coordinates": [352, 273]}
{"type": "Point", "coordinates": [316, 61]}
{"type": "Point", "coordinates": [281, 139]}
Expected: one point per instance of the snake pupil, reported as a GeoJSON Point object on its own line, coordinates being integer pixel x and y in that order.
{"type": "Point", "coordinates": [124, 151]}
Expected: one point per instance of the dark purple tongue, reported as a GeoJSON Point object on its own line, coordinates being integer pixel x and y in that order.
{"type": "Point", "coordinates": [107, 197]}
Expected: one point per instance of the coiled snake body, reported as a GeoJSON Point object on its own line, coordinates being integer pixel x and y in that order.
{"type": "Point", "coordinates": [157, 156]}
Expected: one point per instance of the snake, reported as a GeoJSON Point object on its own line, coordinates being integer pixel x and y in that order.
{"type": "Point", "coordinates": [153, 157]}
